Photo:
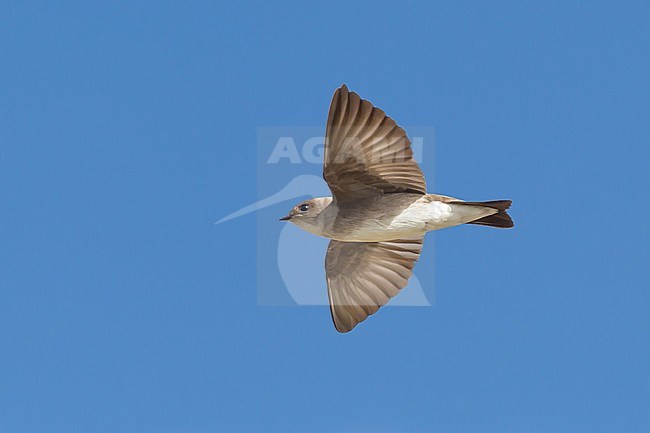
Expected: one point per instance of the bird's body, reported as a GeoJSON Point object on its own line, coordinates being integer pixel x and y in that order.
{"type": "Point", "coordinates": [379, 211]}
{"type": "Point", "coordinates": [389, 217]}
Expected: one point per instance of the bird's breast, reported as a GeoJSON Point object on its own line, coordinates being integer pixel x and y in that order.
{"type": "Point", "coordinates": [393, 217]}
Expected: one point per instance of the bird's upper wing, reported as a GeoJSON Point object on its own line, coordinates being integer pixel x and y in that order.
{"type": "Point", "coordinates": [366, 152]}
{"type": "Point", "coordinates": [363, 276]}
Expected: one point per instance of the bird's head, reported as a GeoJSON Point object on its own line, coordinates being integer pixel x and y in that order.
{"type": "Point", "coordinates": [305, 211]}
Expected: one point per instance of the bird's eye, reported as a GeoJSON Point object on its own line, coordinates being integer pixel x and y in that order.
{"type": "Point", "coordinates": [303, 207]}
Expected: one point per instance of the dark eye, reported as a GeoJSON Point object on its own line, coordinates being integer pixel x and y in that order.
{"type": "Point", "coordinates": [303, 207]}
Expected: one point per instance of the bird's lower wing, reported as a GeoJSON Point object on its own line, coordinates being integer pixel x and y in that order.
{"type": "Point", "coordinates": [363, 276]}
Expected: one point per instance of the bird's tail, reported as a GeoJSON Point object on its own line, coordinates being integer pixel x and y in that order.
{"type": "Point", "coordinates": [500, 219]}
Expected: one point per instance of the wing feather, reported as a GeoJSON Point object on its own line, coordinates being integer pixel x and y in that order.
{"type": "Point", "coordinates": [366, 152]}
{"type": "Point", "coordinates": [363, 276]}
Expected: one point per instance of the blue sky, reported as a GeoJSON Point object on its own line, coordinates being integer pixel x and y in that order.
{"type": "Point", "coordinates": [128, 129]}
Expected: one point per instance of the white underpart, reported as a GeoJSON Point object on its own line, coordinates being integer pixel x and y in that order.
{"type": "Point", "coordinates": [423, 216]}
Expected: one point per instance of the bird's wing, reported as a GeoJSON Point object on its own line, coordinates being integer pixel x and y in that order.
{"type": "Point", "coordinates": [366, 153]}
{"type": "Point", "coordinates": [363, 276]}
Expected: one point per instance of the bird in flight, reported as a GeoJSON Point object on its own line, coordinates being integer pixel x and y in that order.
{"type": "Point", "coordinates": [379, 211]}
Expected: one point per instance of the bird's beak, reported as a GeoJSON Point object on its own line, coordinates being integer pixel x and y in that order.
{"type": "Point", "coordinates": [286, 218]}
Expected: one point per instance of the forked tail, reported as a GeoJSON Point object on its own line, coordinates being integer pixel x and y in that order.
{"type": "Point", "coordinates": [500, 219]}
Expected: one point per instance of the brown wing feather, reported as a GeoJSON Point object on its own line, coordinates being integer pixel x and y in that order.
{"type": "Point", "coordinates": [363, 276]}
{"type": "Point", "coordinates": [366, 152]}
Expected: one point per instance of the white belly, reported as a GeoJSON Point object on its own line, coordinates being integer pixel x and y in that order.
{"type": "Point", "coordinates": [421, 216]}
{"type": "Point", "coordinates": [426, 215]}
